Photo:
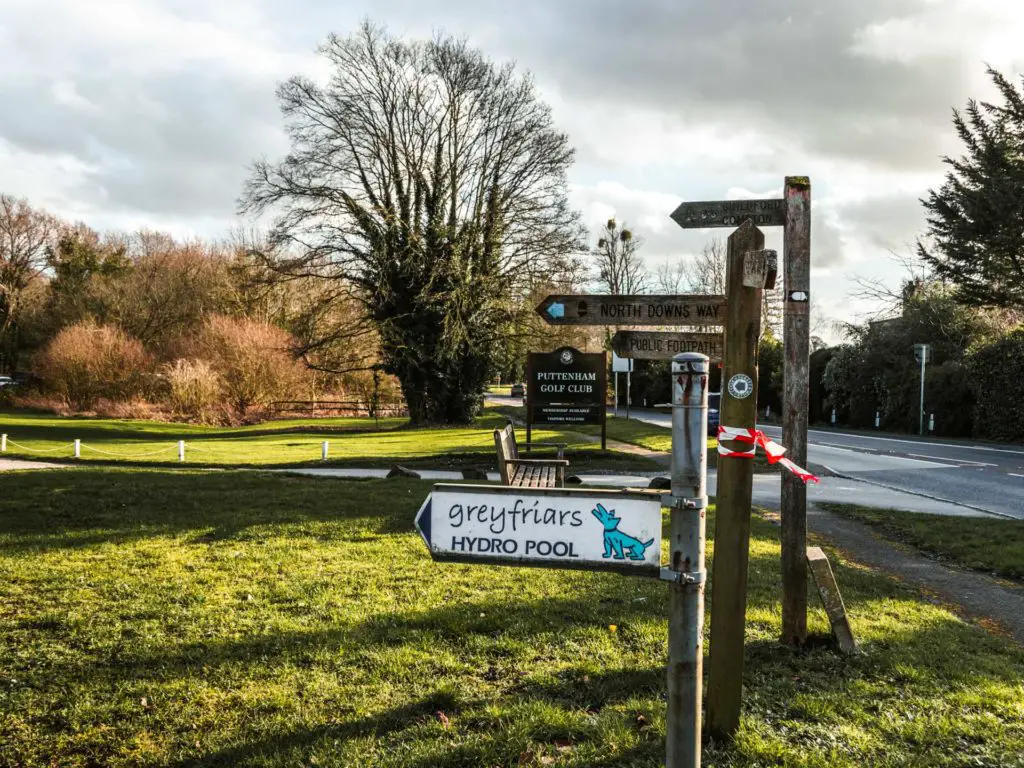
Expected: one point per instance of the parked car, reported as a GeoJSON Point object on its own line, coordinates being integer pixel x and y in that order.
{"type": "Point", "coordinates": [518, 390]}
{"type": "Point", "coordinates": [714, 403]}
{"type": "Point", "coordinates": [7, 381]}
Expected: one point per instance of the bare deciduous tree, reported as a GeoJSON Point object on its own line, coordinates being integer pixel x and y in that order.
{"type": "Point", "coordinates": [25, 235]}
{"type": "Point", "coordinates": [434, 183]}
{"type": "Point", "coordinates": [619, 268]}
{"type": "Point", "coordinates": [705, 273]}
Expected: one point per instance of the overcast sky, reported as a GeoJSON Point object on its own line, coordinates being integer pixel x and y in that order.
{"type": "Point", "coordinates": [132, 113]}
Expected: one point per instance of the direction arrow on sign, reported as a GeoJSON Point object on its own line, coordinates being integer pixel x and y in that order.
{"type": "Point", "coordinates": [664, 345]}
{"type": "Point", "coordinates": [642, 309]}
{"type": "Point", "coordinates": [546, 527]}
{"type": "Point", "coordinates": [730, 213]}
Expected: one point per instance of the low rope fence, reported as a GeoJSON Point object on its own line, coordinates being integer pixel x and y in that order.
{"type": "Point", "coordinates": [187, 447]}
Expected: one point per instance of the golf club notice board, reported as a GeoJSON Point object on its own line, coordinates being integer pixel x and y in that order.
{"type": "Point", "coordinates": [566, 388]}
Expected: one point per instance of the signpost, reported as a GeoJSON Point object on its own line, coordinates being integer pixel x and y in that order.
{"type": "Point", "coordinates": [730, 213]}
{"type": "Point", "coordinates": [796, 382]}
{"type": "Point", "coordinates": [664, 345]}
{"type": "Point", "coordinates": [735, 486]}
{"type": "Point", "coordinates": [641, 309]}
{"type": "Point", "coordinates": [545, 527]}
{"type": "Point", "coordinates": [566, 387]}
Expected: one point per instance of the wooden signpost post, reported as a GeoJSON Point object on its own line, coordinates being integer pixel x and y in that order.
{"type": "Point", "coordinates": [735, 487]}
{"type": "Point", "coordinates": [796, 376]}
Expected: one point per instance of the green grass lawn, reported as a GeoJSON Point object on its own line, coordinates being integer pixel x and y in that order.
{"type": "Point", "coordinates": [981, 543]}
{"type": "Point", "coordinates": [246, 619]}
{"type": "Point", "coordinates": [352, 441]}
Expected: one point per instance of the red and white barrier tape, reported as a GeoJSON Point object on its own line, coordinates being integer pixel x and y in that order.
{"type": "Point", "coordinates": [755, 437]}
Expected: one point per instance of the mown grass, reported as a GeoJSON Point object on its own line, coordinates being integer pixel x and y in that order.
{"type": "Point", "coordinates": [981, 543]}
{"type": "Point", "coordinates": [245, 619]}
{"type": "Point", "coordinates": [352, 441]}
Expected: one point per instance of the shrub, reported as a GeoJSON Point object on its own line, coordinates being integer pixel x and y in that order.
{"type": "Point", "coordinates": [194, 390]}
{"type": "Point", "coordinates": [997, 374]}
{"type": "Point", "coordinates": [86, 362]}
{"type": "Point", "coordinates": [253, 362]}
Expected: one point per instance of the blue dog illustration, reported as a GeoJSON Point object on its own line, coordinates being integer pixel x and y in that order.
{"type": "Point", "coordinates": [617, 542]}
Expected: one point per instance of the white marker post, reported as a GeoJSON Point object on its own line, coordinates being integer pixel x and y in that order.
{"type": "Point", "coordinates": [78, 448]}
{"type": "Point", "coordinates": [181, 451]}
{"type": "Point", "coordinates": [323, 451]}
{"type": "Point", "coordinates": [3, 443]}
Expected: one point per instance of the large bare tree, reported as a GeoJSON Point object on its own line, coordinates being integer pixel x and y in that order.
{"type": "Point", "coordinates": [619, 267]}
{"type": "Point", "coordinates": [25, 237]}
{"type": "Point", "coordinates": [432, 182]}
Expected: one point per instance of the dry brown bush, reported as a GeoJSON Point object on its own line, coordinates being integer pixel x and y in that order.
{"type": "Point", "coordinates": [86, 362]}
{"type": "Point", "coordinates": [253, 361]}
{"type": "Point", "coordinates": [194, 390]}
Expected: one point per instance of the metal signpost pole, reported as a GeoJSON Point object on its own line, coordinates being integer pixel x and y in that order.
{"type": "Point", "coordinates": [688, 505]}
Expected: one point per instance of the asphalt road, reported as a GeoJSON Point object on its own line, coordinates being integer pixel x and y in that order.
{"type": "Point", "coordinates": [984, 476]}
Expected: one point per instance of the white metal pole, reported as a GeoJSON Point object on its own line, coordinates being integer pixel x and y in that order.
{"type": "Point", "coordinates": [3, 443]}
{"type": "Point", "coordinates": [878, 419]}
{"type": "Point", "coordinates": [931, 422]}
{"type": "Point", "coordinates": [323, 451]}
{"type": "Point", "coordinates": [833, 417]}
{"type": "Point", "coordinates": [616, 411]}
{"type": "Point", "coordinates": [78, 448]}
{"type": "Point", "coordinates": [688, 508]}
{"type": "Point", "coordinates": [181, 451]}
{"type": "Point", "coordinates": [924, 356]}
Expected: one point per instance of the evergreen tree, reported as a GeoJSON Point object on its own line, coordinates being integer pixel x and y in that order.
{"type": "Point", "coordinates": [976, 219]}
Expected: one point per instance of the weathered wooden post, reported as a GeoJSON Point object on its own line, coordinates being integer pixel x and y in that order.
{"type": "Point", "coordinates": [796, 346]}
{"type": "Point", "coordinates": [735, 480]}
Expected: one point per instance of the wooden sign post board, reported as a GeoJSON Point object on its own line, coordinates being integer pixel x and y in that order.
{"type": "Point", "coordinates": [642, 309]}
{"type": "Point", "coordinates": [592, 529]}
{"type": "Point", "coordinates": [664, 345]}
{"type": "Point", "coordinates": [566, 388]}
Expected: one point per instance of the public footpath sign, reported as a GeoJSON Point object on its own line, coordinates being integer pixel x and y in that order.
{"type": "Point", "coordinates": [730, 213]}
{"type": "Point", "coordinates": [664, 345]}
{"type": "Point", "coordinates": [547, 527]}
{"type": "Point", "coordinates": [642, 309]}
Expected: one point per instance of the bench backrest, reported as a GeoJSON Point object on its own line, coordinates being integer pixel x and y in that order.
{"type": "Point", "coordinates": [505, 444]}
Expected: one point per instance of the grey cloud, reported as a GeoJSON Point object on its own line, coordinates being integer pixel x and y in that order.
{"type": "Point", "coordinates": [784, 66]}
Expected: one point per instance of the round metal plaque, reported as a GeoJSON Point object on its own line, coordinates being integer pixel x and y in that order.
{"type": "Point", "coordinates": [741, 386]}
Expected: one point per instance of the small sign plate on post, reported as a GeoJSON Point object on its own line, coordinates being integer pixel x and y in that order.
{"type": "Point", "coordinates": [547, 527]}
{"type": "Point", "coordinates": [664, 345]}
{"type": "Point", "coordinates": [642, 309]}
{"type": "Point", "coordinates": [730, 213]}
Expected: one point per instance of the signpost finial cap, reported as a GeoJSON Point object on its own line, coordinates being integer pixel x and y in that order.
{"type": "Point", "coordinates": [690, 362]}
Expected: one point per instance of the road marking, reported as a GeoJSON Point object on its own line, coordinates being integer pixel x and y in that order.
{"type": "Point", "coordinates": [1014, 474]}
{"type": "Point", "coordinates": [961, 446]}
{"type": "Point", "coordinates": [946, 458]}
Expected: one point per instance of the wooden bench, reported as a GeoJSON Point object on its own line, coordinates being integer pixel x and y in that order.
{"type": "Point", "coordinates": [527, 473]}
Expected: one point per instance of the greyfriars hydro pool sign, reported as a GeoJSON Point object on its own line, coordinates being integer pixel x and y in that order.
{"type": "Point", "coordinates": [548, 527]}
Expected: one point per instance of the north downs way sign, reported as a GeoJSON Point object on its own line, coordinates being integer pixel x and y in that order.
{"type": "Point", "coordinates": [641, 309]}
{"type": "Point", "coordinates": [548, 527]}
{"type": "Point", "coordinates": [664, 345]}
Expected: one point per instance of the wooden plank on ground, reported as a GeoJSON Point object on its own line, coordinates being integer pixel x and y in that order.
{"type": "Point", "coordinates": [831, 599]}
